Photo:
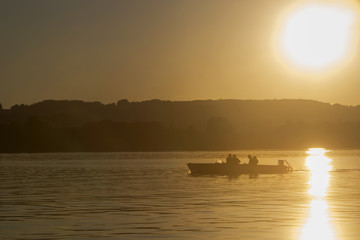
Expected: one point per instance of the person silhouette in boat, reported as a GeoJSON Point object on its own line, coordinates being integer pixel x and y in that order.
{"type": "Point", "coordinates": [232, 159]}
{"type": "Point", "coordinates": [229, 158]}
{"type": "Point", "coordinates": [253, 160]}
{"type": "Point", "coordinates": [250, 159]}
{"type": "Point", "coordinates": [235, 159]}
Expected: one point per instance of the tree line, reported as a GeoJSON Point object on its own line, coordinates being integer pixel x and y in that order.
{"type": "Point", "coordinates": [77, 126]}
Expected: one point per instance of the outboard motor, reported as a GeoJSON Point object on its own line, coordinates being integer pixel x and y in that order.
{"type": "Point", "coordinates": [282, 163]}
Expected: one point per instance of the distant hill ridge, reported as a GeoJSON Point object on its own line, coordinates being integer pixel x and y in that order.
{"type": "Point", "coordinates": [75, 112]}
{"type": "Point", "coordinates": [157, 125]}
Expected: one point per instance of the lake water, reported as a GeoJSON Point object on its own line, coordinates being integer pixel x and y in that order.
{"type": "Point", "coordinates": [152, 196]}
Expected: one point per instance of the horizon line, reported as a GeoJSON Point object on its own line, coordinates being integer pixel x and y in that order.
{"type": "Point", "coordinates": [172, 100]}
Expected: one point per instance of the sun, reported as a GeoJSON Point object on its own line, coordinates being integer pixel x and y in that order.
{"type": "Point", "coordinates": [317, 35]}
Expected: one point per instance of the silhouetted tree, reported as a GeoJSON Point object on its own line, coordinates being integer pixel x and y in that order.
{"type": "Point", "coordinates": [122, 102]}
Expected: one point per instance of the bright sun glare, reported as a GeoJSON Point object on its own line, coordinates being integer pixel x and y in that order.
{"type": "Point", "coordinates": [316, 36]}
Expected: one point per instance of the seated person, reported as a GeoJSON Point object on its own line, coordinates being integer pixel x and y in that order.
{"type": "Point", "coordinates": [232, 159]}
{"type": "Point", "coordinates": [229, 159]}
{"type": "Point", "coordinates": [255, 160]}
{"type": "Point", "coordinates": [235, 159]}
{"type": "Point", "coordinates": [250, 159]}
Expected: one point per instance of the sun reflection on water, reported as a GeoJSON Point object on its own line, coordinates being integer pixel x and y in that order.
{"type": "Point", "coordinates": [319, 166]}
{"type": "Point", "coordinates": [318, 224]}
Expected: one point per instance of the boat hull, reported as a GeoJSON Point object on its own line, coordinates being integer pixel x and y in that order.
{"type": "Point", "coordinates": [234, 169]}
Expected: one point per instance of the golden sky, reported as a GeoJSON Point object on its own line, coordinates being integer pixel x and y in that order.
{"type": "Point", "coordinates": [144, 49]}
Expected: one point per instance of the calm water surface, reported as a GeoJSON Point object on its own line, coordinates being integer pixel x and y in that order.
{"type": "Point", "coordinates": [151, 196]}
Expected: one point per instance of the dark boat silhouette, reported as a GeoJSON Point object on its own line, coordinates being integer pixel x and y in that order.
{"type": "Point", "coordinates": [221, 168]}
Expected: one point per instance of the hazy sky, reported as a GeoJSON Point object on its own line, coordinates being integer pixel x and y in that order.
{"type": "Point", "coordinates": [145, 49]}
